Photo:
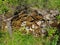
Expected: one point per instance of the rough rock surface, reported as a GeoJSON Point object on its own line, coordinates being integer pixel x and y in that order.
{"type": "Point", "coordinates": [36, 21]}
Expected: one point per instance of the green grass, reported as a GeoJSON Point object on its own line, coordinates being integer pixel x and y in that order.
{"type": "Point", "coordinates": [6, 5]}
{"type": "Point", "coordinates": [19, 38]}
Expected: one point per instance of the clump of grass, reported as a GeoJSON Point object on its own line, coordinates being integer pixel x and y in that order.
{"type": "Point", "coordinates": [52, 36]}
{"type": "Point", "coordinates": [19, 39]}
{"type": "Point", "coordinates": [28, 39]}
{"type": "Point", "coordinates": [58, 17]}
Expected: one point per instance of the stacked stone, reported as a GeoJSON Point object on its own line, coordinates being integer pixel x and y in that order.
{"type": "Point", "coordinates": [36, 21]}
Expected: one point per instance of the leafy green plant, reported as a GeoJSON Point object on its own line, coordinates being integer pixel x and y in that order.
{"type": "Point", "coordinates": [58, 17]}
{"type": "Point", "coordinates": [52, 37]}
{"type": "Point", "coordinates": [51, 31]}
{"type": "Point", "coordinates": [54, 41]}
